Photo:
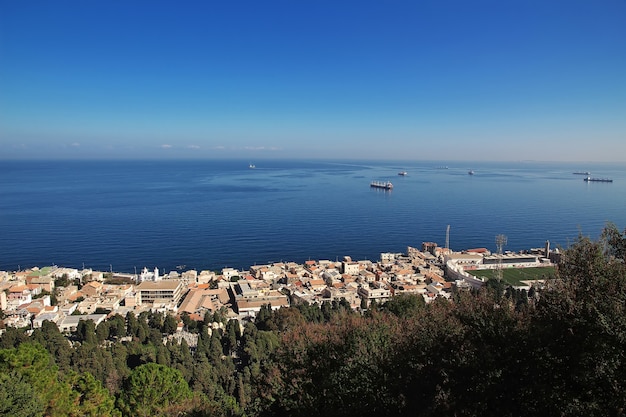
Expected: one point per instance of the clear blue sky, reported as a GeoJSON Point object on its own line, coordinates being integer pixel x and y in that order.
{"type": "Point", "coordinates": [419, 80]}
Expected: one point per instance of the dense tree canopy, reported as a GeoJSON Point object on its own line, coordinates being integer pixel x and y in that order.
{"type": "Point", "coordinates": [151, 389]}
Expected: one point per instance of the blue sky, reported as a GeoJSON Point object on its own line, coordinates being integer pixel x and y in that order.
{"type": "Point", "coordinates": [418, 80]}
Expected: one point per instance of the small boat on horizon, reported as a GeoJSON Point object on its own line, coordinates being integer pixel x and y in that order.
{"type": "Point", "coordinates": [251, 166]}
{"type": "Point", "coordinates": [402, 173]}
{"type": "Point", "coordinates": [470, 172]}
{"type": "Point", "coordinates": [582, 173]}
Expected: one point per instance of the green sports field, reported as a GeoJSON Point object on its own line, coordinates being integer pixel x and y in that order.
{"type": "Point", "coordinates": [515, 276]}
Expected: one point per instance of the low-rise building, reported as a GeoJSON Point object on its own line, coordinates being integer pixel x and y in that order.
{"type": "Point", "coordinates": [371, 293]}
{"type": "Point", "coordinates": [49, 313]}
{"type": "Point", "coordinates": [464, 259]}
{"type": "Point", "coordinates": [189, 277]}
{"type": "Point", "coordinates": [250, 307]}
{"type": "Point", "coordinates": [229, 273]}
{"type": "Point", "coordinates": [70, 323]}
{"type": "Point", "coordinates": [248, 301]}
{"type": "Point", "coordinates": [92, 289]}
{"type": "Point", "coordinates": [19, 294]}
{"type": "Point", "coordinates": [45, 282]}
{"type": "Point", "coordinates": [350, 267]}
{"type": "Point", "coordinates": [206, 277]}
{"type": "Point", "coordinates": [201, 299]}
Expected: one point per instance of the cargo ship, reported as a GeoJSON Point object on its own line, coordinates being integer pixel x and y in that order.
{"type": "Point", "coordinates": [385, 185]}
{"type": "Point", "coordinates": [589, 179]}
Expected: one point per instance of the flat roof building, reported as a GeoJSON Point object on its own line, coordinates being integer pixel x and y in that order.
{"type": "Point", "coordinates": [169, 290]}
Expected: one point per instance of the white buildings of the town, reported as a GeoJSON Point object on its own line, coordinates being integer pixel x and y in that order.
{"type": "Point", "coordinates": [430, 272]}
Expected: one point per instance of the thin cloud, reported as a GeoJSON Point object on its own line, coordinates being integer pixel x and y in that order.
{"type": "Point", "coordinates": [193, 147]}
{"type": "Point", "coordinates": [166, 146]}
{"type": "Point", "coordinates": [261, 148]}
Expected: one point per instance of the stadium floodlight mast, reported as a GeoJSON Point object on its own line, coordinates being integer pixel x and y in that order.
{"type": "Point", "coordinates": [500, 243]}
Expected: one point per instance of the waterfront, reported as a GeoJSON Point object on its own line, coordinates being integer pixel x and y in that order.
{"type": "Point", "coordinates": [212, 214]}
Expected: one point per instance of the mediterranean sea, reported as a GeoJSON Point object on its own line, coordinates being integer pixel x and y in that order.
{"type": "Point", "coordinates": [211, 214]}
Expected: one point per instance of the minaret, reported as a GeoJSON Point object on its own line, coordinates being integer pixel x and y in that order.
{"type": "Point", "coordinates": [156, 274]}
{"type": "Point", "coordinates": [547, 253]}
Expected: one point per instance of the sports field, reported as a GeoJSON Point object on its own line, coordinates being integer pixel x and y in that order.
{"type": "Point", "coordinates": [515, 276]}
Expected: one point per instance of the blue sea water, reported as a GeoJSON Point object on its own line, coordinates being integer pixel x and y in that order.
{"type": "Point", "coordinates": [216, 213]}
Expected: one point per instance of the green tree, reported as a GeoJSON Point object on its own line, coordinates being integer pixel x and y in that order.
{"type": "Point", "coordinates": [180, 358]}
{"type": "Point", "coordinates": [190, 325]}
{"type": "Point", "coordinates": [34, 364]}
{"type": "Point", "coordinates": [64, 281]}
{"type": "Point", "coordinates": [215, 347]}
{"type": "Point", "coordinates": [49, 336]}
{"type": "Point", "coordinates": [579, 333]}
{"type": "Point", "coordinates": [103, 331]}
{"type": "Point", "coordinates": [207, 319]}
{"type": "Point", "coordinates": [170, 324]}
{"type": "Point", "coordinates": [18, 398]}
{"type": "Point", "coordinates": [404, 305]}
{"type": "Point", "coordinates": [117, 327]}
{"type": "Point", "coordinates": [327, 310]}
{"type": "Point", "coordinates": [119, 367]}
{"type": "Point", "coordinates": [93, 399]}
{"type": "Point", "coordinates": [615, 241]}
{"type": "Point", "coordinates": [287, 318]}
{"type": "Point", "coordinates": [340, 368]}
{"type": "Point", "coordinates": [151, 390]}
{"type": "Point", "coordinates": [86, 332]}
{"type": "Point", "coordinates": [155, 320]}
{"type": "Point", "coordinates": [263, 319]}
{"type": "Point", "coordinates": [93, 359]}
{"type": "Point", "coordinates": [229, 340]}
{"type": "Point", "coordinates": [219, 316]}
{"type": "Point", "coordinates": [311, 313]}
{"type": "Point", "coordinates": [132, 324]}
{"type": "Point", "coordinates": [12, 338]}
{"type": "Point", "coordinates": [497, 286]}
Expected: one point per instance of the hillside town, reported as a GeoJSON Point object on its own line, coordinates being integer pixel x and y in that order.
{"type": "Point", "coordinates": [66, 295]}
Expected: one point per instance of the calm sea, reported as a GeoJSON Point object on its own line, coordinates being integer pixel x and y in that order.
{"type": "Point", "coordinates": [212, 214]}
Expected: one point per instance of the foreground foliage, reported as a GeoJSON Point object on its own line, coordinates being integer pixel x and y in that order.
{"type": "Point", "coordinates": [559, 351]}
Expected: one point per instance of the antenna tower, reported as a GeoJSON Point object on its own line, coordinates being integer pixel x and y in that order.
{"type": "Point", "coordinates": [448, 237]}
{"type": "Point", "coordinates": [500, 243]}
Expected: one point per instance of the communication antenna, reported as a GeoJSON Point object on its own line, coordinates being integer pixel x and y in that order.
{"type": "Point", "coordinates": [500, 243]}
{"type": "Point", "coordinates": [448, 237]}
